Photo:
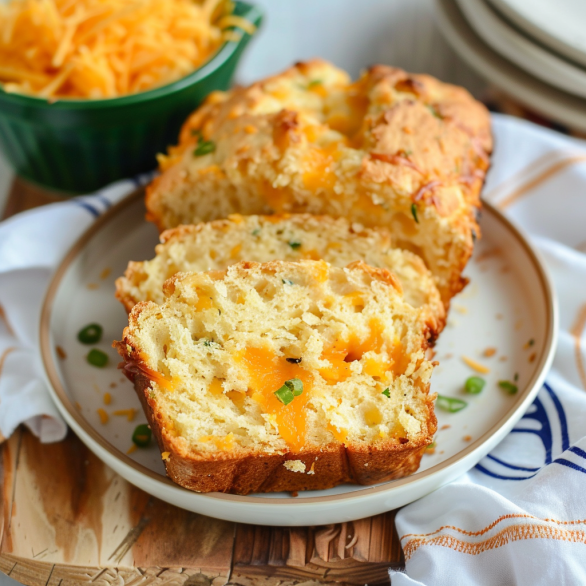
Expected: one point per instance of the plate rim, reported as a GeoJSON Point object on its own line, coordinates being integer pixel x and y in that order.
{"type": "Point", "coordinates": [89, 434]}
{"type": "Point", "coordinates": [522, 50]}
{"type": "Point", "coordinates": [508, 77]}
{"type": "Point", "coordinates": [555, 42]}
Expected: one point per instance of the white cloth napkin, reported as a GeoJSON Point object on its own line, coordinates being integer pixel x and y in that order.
{"type": "Point", "coordinates": [31, 246]}
{"type": "Point", "coordinates": [519, 516]}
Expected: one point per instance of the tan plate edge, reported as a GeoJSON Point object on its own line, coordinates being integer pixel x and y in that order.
{"type": "Point", "coordinates": [542, 366]}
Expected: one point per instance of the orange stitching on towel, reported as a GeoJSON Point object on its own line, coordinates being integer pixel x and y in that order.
{"type": "Point", "coordinates": [576, 332]}
{"type": "Point", "coordinates": [494, 524]}
{"type": "Point", "coordinates": [512, 533]}
{"type": "Point", "coordinates": [521, 175]}
{"type": "Point", "coordinates": [543, 176]}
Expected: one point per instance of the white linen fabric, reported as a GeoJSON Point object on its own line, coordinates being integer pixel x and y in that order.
{"type": "Point", "coordinates": [31, 246]}
{"type": "Point", "coordinates": [516, 518]}
{"type": "Point", "coordinates": [519, 516]}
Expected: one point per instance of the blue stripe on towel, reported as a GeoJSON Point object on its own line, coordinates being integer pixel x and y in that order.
{"type": "Point", "coordinates": [500, 477]}
{"type": "Point", "coordinates": [569, 464]}
{"type": "Point", "coordinates": [83, 204]}
{"type": "Point", "coordinates": [512, 466]}
{"type": "Point", "coordinates": [578, 451]}
{"type": "Point", "coordinates": [107, 203]}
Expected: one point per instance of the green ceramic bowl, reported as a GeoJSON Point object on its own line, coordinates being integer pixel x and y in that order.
{"type": "Point", "coordinates": [77, 146]}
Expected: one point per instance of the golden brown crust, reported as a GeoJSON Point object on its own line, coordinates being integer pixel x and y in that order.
{"type": "Point", "coordinates": [247, 471]}
{"type": "Point", "coordinates": [402, 139]}
{"type": "Point", "coordinates": [333, 464]}
{"type": "Point", "coordinates": [122, 292]}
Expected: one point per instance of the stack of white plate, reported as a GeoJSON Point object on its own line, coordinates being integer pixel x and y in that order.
{"type": "Point", "coordinates": [533, 50]}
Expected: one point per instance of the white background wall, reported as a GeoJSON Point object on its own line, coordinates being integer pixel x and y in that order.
{"type": "Point", "coordinates": [353, 34]}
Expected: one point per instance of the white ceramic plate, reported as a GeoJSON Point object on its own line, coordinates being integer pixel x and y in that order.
{"type": "Point", "coordinates": [509, 302]}
{"type": "Point", "coordinates": [541, 97]}
{"type": "Point", "coordinates": [511, 44]}
{"type": "Point", "coordinates": [559, 24]}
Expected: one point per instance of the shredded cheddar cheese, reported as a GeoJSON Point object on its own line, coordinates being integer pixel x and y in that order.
{"type": "Point", "coordinates": [106, 48]}
{"type": "Point", "coordinates": [130, 414]}
{"type": "Point", "coordinates": [103, 416]}
{"type": "Point", "coordinates": [476, 365]}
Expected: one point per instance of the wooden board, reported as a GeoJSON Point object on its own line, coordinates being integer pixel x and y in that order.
{"type": "Point", "coordinates": [68, 519]}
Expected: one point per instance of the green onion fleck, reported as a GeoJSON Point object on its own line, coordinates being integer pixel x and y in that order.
{"type": "Point", "coordinates": [142, 436]}
{"type": "Point", "coordinates": [291, 389]}
{"type": "Point", "coordinates": [516, 378]}
{"type": "Point", "coordinates": [386, 393]}
{"type": "Point", "coordinates": [287, 281]}
{"type": "Point", "coordinates": [296, 385]}
{"type": "Point", "coordinates": [313, 83]}
{"type": "Point", "coordinates": [91, 334]}
{"type": "Point", "coordinates": [531, 342]}
{"type": "Point", "coordinates": [204, 148]}
{"type": "Point", "coordinates": [450, 404]}
{"type": "Point", "coordinates": [256, 232]}
{"type": "Point", "coordinates": [414, 212]}
{"type": "Point", "coordinates": [474, 385]}
{"type": "Point", "coordinates": [508, 386]}
{"type": "Point", "coordinates": [97, 358]}
{"type": "Point", "coordinates": [294, 244]}
{"type": "Point", "coordinates": [434, 111]}
{"type": "Point", "coordinates": [284, 394]}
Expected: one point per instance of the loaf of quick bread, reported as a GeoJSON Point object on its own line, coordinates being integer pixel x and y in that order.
{"type": "Point", "coordinates": [283, 376]}
{"type": "Point", "coordinates": [216, 245]}
{"type": "Point", "coordinates": [391, 149]}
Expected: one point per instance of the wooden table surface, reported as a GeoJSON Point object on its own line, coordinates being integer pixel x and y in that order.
{"type": "Point", "coordinates": [68, 519]}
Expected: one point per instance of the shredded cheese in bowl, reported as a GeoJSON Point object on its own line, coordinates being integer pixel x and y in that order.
{"type": "Point", "coordinates": [108, 48]}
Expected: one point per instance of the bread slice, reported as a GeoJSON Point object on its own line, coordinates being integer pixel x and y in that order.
{"type": "Point", "coordinates": [216, 245]}
{"type": "Point", "coordinates": [392, 149]}
{"type": "Point", "coordinates": [283, 376]}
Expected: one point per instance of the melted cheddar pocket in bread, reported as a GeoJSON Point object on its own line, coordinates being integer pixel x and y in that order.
{"type": "Point", "coordinates": [283, 376]}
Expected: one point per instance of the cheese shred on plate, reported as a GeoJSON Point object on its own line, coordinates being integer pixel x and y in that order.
{"type": "Point", "coordinates": [107, 48]}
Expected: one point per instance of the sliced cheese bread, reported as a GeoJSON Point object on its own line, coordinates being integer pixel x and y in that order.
{"type": "Point", "coordinates": [391, 149]}
{"type": "Point", "coordinates": [283, 376]}
{"type": "Point", "coordinates": [217, 245]}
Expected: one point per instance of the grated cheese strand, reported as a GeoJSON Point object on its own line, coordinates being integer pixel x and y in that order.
{"type": "Point", "coordinates": [130, 414]}
{"type": "Point", "coordinates": [107, 48]}
{"type": "Point", "coordinates": [476, 365]}
{"type": "Point", "coordinates": [237, 21]}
